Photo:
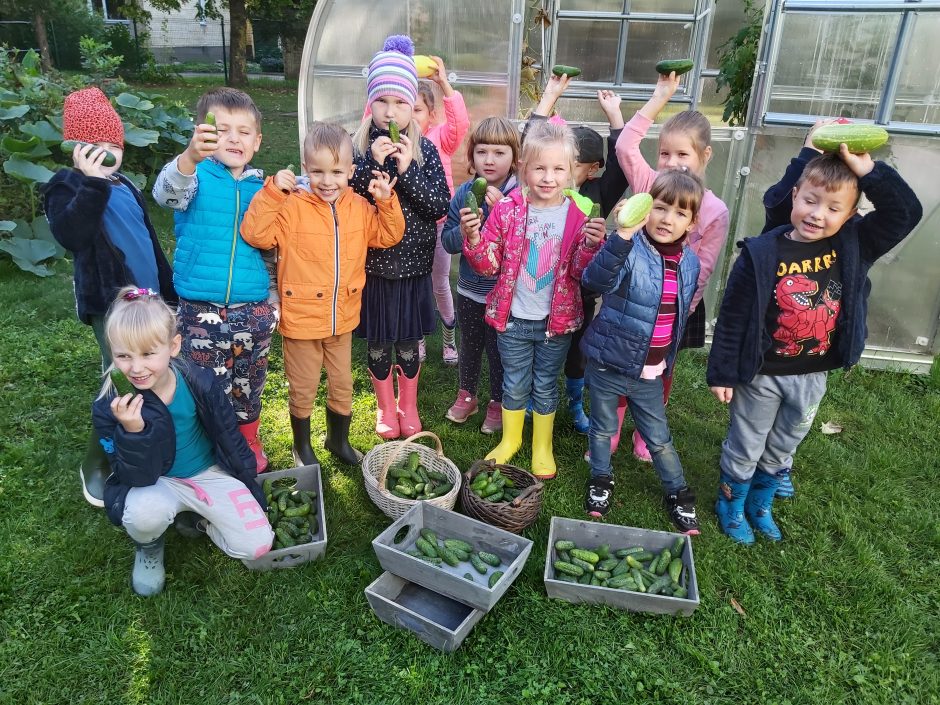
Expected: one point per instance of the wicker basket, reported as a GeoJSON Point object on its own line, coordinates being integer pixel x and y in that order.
{"type": "Point", "coordinates": [512, 516]}
{"type": "Point", "coordinates": [377, 461]}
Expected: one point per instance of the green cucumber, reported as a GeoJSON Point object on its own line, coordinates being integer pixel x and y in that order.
{"type": "Point", "coordinates": [427, 548]}
{"type": "Point", "coordinates": [634, 210]}
{"type": "Point", "coordinates": [633, 562]}
{"type": "Point", "coordinates": [414, 460]}
{"type": "Point", "coordinates": [394, 132]}
{"type": "Point", "coordinates": [436, 476]}
{"type": "Point", "coordinates": [472, 203]}
{"type": "Point", "coordinates": [468, 576]}
{"type": "Point", "coordinates": [679, 66]}
{"type": "Point", "coordinates": [644, 556]}
{"type": "Point", "coordinates": [638, 579]}
{"type": "Point", "coordinates": [603, 551]}
{"type": "Point", "coordinates": [68, 146]}
{"type": "Point", "coordinates": [608, 564]}
{"type": "Point", "coordinates": [457, 545]}
{"type": "Point", "coordinates": [436, 561]}
{"type": "Point", "coordinates": [659, 585]}
{"type": "Point", "coordinates": [568, 569]}
{"type": "Point", "coordinates": [563, 70]}
{"type": "Point", "coordinates": [619, 581]}
{"type": "Point", "coordinates": [858, 138]}
{"type": "Point", "coordinates": [621, 568]}
{"type": "Point", "coordinates": [450, 557]}
{"type": "Point", "coordinates": [624, 552]}
{"type": "Point", "coordinates": [403, 491]}
{"type": "Point", "coordinates": [122, 385]}
{"type": "Point", "coordinates": [563, 556]}
{"type": "Point", "coordinates": [602, 574]}
{"type": "Point", "coordinates": [596, 210]}
{"type": "Point", "coordinates": [677, 546]}
{"type": "Point", "coordinates": [461, 555]}
{"type": "Point", "coordinates": [675, 569]}
{"type": "Point", "coordinates": [589, 567]}
{"type": "Point", "coordinates": [478, 189]}
{"type": "Point", "coordinates": [680, 592]}
{"type": "Point", "coordinates": [565, 578]}
{"type": "Point", "coordinates": [584, 555]}
{"type": "Point", "coordinates": [440, 490]}
{"type": "Point", "coordinates": [662, 563]}
{"type": "Point", "coordinates": [478, 564]}
{"type": "Point", "coordinates": [210, 119]}
{"type": "Point", "coordinates": [494, 578]}
{"type": "Point", "coordinates": [585, 579]}
{"type": "Point", "coordinates": [563, 545]}
{"type": "Point", "coordinates": [489, 558]}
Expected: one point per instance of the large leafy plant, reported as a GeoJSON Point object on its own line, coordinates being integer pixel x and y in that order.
{"type": "Point", "coordinates": [31, 131]}
{"type": "Point", "coordinates": [737, 59]}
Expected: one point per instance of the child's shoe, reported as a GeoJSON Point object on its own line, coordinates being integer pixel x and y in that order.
{"type": "Point", "coordinates": [680, 505]}
{"type": "Point", "coordinates": [759, 502]}
{"type": "Point", "coordinates": [408, 418]}
{"type": "Point", "coordinates": [785, 489]}
{"type": "Point", "coordinates": [387, 425]}
{"type": "Point", "coordinates": [597, 497]}
{"type": "Point", "coordinates": [575, 389]}
{"type": "Point", "coordinates": [337, 437]}
{"type": "Point", "coordinates": [640, 451]}
{"type": "Point", "coordinates": [463, 407]}
{"type": "Point", "coordinates": [449, 340]}
{"type": "Point", "coordinates": [730, 509]}
{"type": "Point", "coordinates": [94, 472]}
{"type": "Point", "coordinates": [301, 448]}
{"type": "Point", "coordinates": [513, 421]}
{"type": "Point", "coordinates": [494, 418]}
{"type": "Point", "coordinates": [543, 457]}
{"type": "Point", "coordinates": [250, 432]}
{"type": "Point", "coordinates": [148, 576]}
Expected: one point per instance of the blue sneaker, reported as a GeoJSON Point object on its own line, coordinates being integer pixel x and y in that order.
{"type": "Point", "coordinates": [730, 510]}
{"type": "Point", "coordinates": [785, 488]}
{"type": "Point", "coordinates": [575, 389]}
{"type": "Point", "coordinates": [759, 502]}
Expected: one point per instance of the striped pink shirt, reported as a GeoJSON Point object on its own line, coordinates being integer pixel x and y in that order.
{"type": "Point", "coordinates": [661, 341]}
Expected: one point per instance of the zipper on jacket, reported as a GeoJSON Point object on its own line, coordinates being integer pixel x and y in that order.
{"type": "Point", "coordinates": [335, 268]}
{"type": "Point", "coordinates": [231, 262]}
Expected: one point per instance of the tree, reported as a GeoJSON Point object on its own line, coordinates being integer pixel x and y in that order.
{"type": "Point", "coordinates": [293, 18]}
{"type": "Point", "coordinates": [38, 12]}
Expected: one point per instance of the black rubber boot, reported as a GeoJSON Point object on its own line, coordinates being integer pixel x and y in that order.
{"type": "Point", "coordinates": [337, 438]}
{"type": "Point", "coordinates": [94, 471]}
{"type": "Point", "coordinates": [303, 452]}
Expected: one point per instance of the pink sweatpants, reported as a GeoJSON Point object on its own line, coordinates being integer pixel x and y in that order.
{"type": "Point", "coordinates": [440, 280]}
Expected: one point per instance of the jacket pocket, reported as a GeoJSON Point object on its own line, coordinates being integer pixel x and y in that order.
{"type": "Point", "coordinates": [354, 246]}
{"type": "Point", "coordinates": [185, 257]}
{"type": "Point", "coordinates": [312, 248]}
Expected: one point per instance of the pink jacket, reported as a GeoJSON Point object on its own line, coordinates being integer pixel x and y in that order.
{"type": "Point", "coordinates": [499, 252]}
{"type": "Point", "coordinates": [448, 135]}
{"type": "Point", "coordinates": [711, 231]}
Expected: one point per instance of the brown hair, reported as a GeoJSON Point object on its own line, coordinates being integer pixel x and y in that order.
{"type": "Point", "coordinates": [327, 135]}
{"type": "Point", "coordinates": [829, 172]}
{"type": "Point", "coordinates": [679, 188]}
{"type": "Point", "coordinates": [426, 91]}
{"type": "Point", "coordinates": [494, 130]}
{"type": "Point", "coordinates": [695, 126]}
{"type": "Point", "coordinates": [230, 99]}
{"type": "Point", "coordinates": [546, 133]}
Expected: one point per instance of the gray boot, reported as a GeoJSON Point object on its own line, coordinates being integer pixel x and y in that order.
{"type": "Point", "coordinates": [148, 577]}
{"type": "Point", "coordinates": [94, 471]}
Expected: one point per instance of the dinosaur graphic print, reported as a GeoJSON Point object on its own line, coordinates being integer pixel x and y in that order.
{"type": "Point", "coordinates": [803, 317]}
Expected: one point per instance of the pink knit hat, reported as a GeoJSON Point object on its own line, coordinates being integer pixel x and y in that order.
{"type": "Point", "coordinates": [392, 71]}
{"type": "Point", "coordinates": [89, 117]}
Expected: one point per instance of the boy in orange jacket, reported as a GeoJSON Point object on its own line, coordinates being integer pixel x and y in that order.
{"type": "Point", "coordinates": [322, 230]}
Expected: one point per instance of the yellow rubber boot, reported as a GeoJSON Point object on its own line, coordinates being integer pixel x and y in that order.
{"type": "Point", "coordinates": [513, 421]}
{"type": "Point", "coordinates": [543, 459]}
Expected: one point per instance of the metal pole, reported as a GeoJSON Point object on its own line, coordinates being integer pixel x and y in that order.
{"type": "Point", "coordinates": [224, 60]}
{"type": "Point", "coordinates": [886, 106]}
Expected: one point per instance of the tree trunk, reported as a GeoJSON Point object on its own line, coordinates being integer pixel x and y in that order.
{"type": "Point", "coordinates": [42, 40]}
{"type": "Point", "coordinates": [292, 49]}
{"type": "Point", "coordinates": [238, 39]}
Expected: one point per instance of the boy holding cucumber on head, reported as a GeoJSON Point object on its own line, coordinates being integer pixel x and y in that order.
{"type": "Point", "coordinates": [228, 289]}
{"type": "Point", "coordinates": [794, 308]}
{"type": "Point", "coordinates": [98, 215]}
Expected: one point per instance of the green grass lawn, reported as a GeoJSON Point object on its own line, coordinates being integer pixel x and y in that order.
{"type": "Point", "coordinates": [845, 610]}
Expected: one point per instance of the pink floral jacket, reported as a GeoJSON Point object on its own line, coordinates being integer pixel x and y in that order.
{"type": "Point", "coordinates": [500, 250]}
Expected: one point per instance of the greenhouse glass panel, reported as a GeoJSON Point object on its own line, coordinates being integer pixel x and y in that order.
{"type": "Point", "coordinates": [711, 100]}
{"type": "Point", "coordinates": [648, 43]}
{"type": "Point", "coordinates": [727, 19]}
{"type": "Point", "coordinates": [590, 45]}
{"type": "Point", "coordinates": [592, 5]}
{"type": "Point", "coordinates": [684, 7]}
{"type": "Point", "coordinates": [833, 64]}
{"type": "Point", "coordinates": [354, 31]}
{"type": "Point", "coordinates": [918, 96]}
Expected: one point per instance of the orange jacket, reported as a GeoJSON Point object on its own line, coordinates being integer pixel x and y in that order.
{"type": "Point", "coordinates": [321, 262]}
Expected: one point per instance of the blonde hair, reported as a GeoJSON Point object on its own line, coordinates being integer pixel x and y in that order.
{"type": "Point", "coordinates": [679, 188]}
{"type": "Point", "coordinates": [543, 135]}
{"type": "Point", "coordinates": [326, 135]}
{"type": "Point", "coordinates": [693, 125]}
{"type": "Point", "coordinates": [362, 143]}
{"type": "Point", "coordinates": [494, 130]}
{"type": "Point", "coordinates": [138, 320]}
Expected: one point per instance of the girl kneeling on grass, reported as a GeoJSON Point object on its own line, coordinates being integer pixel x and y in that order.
{"type": "Point", "coordinates": [173, 445]}
{"type": "Point", "coordinates": [536, 242]}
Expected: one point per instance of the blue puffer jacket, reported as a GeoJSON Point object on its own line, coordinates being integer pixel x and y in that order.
{"type": "Point", "coordinates": [140, 459]}
{"type": "Point", "coordinates": [212, 262]}
{"type": "Point", "coordinates": [629, 273]}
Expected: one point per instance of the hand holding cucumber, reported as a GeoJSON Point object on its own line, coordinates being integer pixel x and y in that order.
{"type": "Point", "coordinates": [404, 153]}
{"type": "Point", "coordinates": [203, 144]}
{"type": "Point", "coordinates": [594, 232]}
{"type": "Point", "coordinates": [382, 149]}
{"type": "Point", "coordinates": [285, 180]}
{"type": "Point", "coordinates": [89, 159]}
{"type": "Point", "coordinates": [381, 186]}
{"type": "Point", "coordinates": [126, 410]}
{"type": "Point", "coordinates": [470, 226]}
{"type": "Point", "coordinates": [860, 164]}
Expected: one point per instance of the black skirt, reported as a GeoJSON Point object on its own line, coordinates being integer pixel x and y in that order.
{"type": "Point", "coordinates": [694, 335]}
{"type": "Point", "coordinates": [397, 310]}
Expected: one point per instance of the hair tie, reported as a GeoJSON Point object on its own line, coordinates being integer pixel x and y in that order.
{"type": "Point", "coordinates": [137, 293]}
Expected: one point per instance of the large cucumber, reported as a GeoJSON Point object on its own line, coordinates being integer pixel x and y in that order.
{"type": "Point", "coordinates": [121, 383]}
{"type": "Point", "coordinates": [680, 66]}
{"type": "Point", "coordinates": [858, 138]}
{"type": "Point", "coordinates": [636, 208]}
{"type": "Point", "coordinates": [68, 146]}
{"type": "Point", "coordinates": [563, 70]}
{"type": "Point", "coordinates": [478, 188]}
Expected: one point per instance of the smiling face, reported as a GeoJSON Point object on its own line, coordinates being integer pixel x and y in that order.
{"type": "Point", "coordinates": [390, 107]}
{"type": "Point", "coordinates": [818, 213]}
{"type": "Point", "coordinates": [148, 368]}
{"type": "Point", "coordinates": [239, 138]}
{"type": "Point", "coordinates": [677, 150]}
{"type": "Point", "coordinates": [329, 176]}
{"type": "Point", "coordinates": [668, 222]}
{"type": "Point", "coordinates": [547, 174]}
{"type": "Point", "coordinates": [493, 162]}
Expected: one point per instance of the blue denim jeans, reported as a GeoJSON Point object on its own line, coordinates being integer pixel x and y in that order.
{"type": "Point", "coordinates": [645, 399]}
{"type": "Point", "coordinates": [531, 365]}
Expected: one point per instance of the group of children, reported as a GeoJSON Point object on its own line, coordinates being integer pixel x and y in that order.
{"type": "Point", "coordinates": [361, 243]}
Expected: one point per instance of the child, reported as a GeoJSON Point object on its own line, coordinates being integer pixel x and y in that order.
{"type": "Point", "coordinates": [173, 445]}
{"type": "Point", "coordinates": [322, 229]}
{"type": "Point", "coordinates": [228, 296]}
{"type": "Point", "coordinates": [537, 242]}
{"type": "Point", "coordinates": [794, 308]}
{"type": "Point", "coordinates": [604, 190]}
{"type": "Point", "coordinates": [648, 278]}
{"type": "Point", "coordinates": [447, 137]}
{"type": "Point", "coordinates": [684, 142]}
{"type": "Point", "coordinates": [493, 153]}
{"type": "Point", "coordinates": [99, 216]}
{"type": "Point", "coordinates": [398, 304]}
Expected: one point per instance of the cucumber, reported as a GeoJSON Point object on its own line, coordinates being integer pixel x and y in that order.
{"type": "Point", "coordinates": [636, 208]}
{"type": "Point", "coordinates": [393, 132]}
{"type": "Point", "coordinates": [478, 564]}
{"type": "Point", "coordinates": [619, 581]}
{"type": "Point", "coordinates": [436, 476]}
{"type": "Point", "coordinates": [122, 385]}
{"type": "Point", "coordinates": [675, 569]}
{"type": "Point", "coordinates": [621, 568]}
{"type": "Point", "coordinates": [680, 592]}
{"type": "Point", "coordinates": [596, 210]}
{"type": "Point", "coordinates": [608, 564]}
{"type": "Point", "coordinates": [461, 555]}
{"type": "Point", "coordinates": [562, 545]}
{"type": "Point", "coordinates": [427, 548]}
{"type": "Point", "coordinates": [472, 203]}
{"type": "Point", "coordinates": [662, 563]}
{"type": "Point", "coordinates": [644, 556]}
{"type": "Point", "coordinates": [406, 492]}
{"type": "Point", "coordinates": [478, 189]}
{"type": "Point", "coordinates": [458, 545]}
{"type": "Point", "coordinates": [584, 565]}
{"type": "Point", "coordinates": [603, 551]}
{"type": "Point", "coordinates": [595, 582]}
{"type": "Point", "coordinates": [680, 66]}
{"type": "Point", "coordinates": [436, 561]}
{"type": "Point", "coordinates": [300, 511]}
{"type": "Point", "coordinates": [624, 552]}
{"type": "Point", "coordinates": [602, 574]}
{"type": "Point", "coordinates": [210, 119]}
{"type": "Point", "coordinates": [638, 579]}
{"type": "Point", "coordinates": [68, 146]}
{"type": "Point", "coordinates": [563, 70]}
{"type": "Point", "coordinates": [563, 556]}
{"type": "Point", "coordinates": [399, 472]}
{"type": "Point", "coordinates": [659, 585]}
{"type": "Point", "coordinates": [677, 546]}
{"type": "Point", "coordinates": [565, 578]}
{"type": "Point", "coordinates": [858, 138]}
{"type": "Point", "coordinates": [584, 555]}
{"type": "Point", "coordinates": [450, 558]}
{"type": "Point", "coordinates": [633, 562]}
{"type": "Point", "coordinates": [585, 579]}
{"type": "Point", "coordinates": [468, 576]}
{"type": "Point", "coordinates": [568, 569]}
{"type": "Point", "coordinates": [440, 490]}
{"type": "Point", "coordinates": [414, 460]}
{"type": "Point", "coordinates": [494, 578]}
{"type": "Point", "coordinates": [489, 558]}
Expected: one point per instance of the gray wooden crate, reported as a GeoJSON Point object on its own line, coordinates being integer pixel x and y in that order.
{"type": "Point", "coordinates": [513, 550]}
{"type": "Point", "coordinates": [434, 618]}
{"type": "Point", "coordinates": [588, 534]}
{"type": "Point", "coordinates": [308, 478]}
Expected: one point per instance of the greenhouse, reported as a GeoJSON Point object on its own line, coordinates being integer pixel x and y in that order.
{"type": "Point", "coordinates": [860, 59]}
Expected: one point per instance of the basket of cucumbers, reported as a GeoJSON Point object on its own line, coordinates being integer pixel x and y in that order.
{"type": "Point", "coordinates": [397, 474]}
{"type": "Point", "coordinates": [501, 495]}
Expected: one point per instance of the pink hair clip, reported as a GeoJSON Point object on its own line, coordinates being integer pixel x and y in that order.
{"type": "Point", "coordinates": [137, 293]}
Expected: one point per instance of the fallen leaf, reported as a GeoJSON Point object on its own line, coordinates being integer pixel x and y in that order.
{"type": "Point", "coordinates": [829, 428]}
{"type": "Point", "coordinates": [738, 608]}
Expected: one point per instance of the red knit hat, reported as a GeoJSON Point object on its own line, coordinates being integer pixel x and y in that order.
{"type": "Point", "coordinates": [89, 117]}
